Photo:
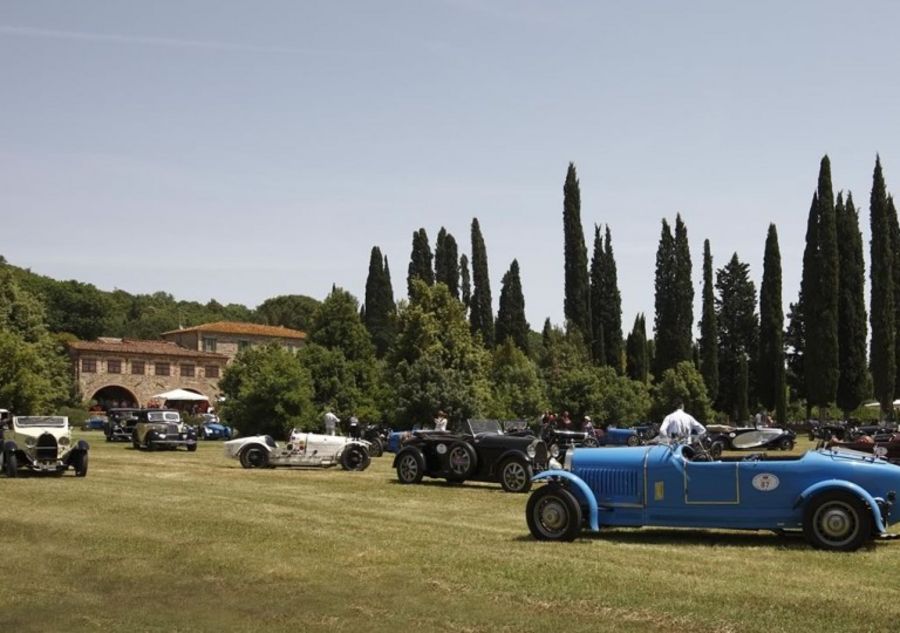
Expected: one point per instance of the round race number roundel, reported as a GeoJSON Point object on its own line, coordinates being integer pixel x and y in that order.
{"type": "Point", "coordinates": [441, 449]}
{"type": "Point", "coordinates": [765, 482]}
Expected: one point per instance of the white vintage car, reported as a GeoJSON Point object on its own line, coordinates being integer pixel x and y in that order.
{"type": "Point", "coordinates": [41, 443]}
{"type": "Point", "coordinates": [302, 449]}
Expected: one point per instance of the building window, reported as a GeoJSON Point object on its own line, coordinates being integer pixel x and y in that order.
{"type": "Point", "coordinates": [243, 344]}
{"type": "Point", "coordinates": [162, 369]}
{"type": "Point", "coordinates": [187, 371]}
{"type": "Point", "coordinates": [209, 344]}
{"type": "Point", "coordinates": [212, 371]}
{"type": "Point", "coordinates": [113, 367]}
{"type": "Point", "coordinates": [88, 366]}
{"type": "Point", "coordinates": [137, 367]}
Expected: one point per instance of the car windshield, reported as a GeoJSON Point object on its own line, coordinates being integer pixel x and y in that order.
{"type": "Point", "coordinates": [485, 426]}
{"type": "Point", "coordinates": [163, 416]}
{"type": "Point", "coordinates": [57, 421]}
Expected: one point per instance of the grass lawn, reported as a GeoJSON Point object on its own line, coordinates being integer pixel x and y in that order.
{"type": "Point", "coordinates": [177, 541]}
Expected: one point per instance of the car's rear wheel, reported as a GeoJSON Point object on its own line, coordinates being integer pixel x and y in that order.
{"type": "Point", "coordinates": [837, 521]}
{"type": "Point", "coordinates": [553, 514]}
{"type": "Point", "coordinates": [633, 440]}
{"type": "Point", "coordinates": [10, 464]}
{"type": "Point", "coordinates": [460, 461]}
{"type": "Point", "coordinates": [410, 467]}
{"type": "Point", "coordinates": [192, 447]}
{"type": "Point", "coordinates": [254, 456]}
{"type": "Point", "coordinates": [355, 457]}
{"type": "Point", "coordinates": [590, 442]}
{"type": "Point", "coordinates": [515, 475]}
{"type": "Point", "coordinates": [80, 463]}
{"type": "Point", "coordinates": [376, 449]}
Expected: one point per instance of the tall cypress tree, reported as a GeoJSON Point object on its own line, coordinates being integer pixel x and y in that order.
{"type": "Point", "coordinates": [666, 324]}
{"type": "Point", "coordinates": [380, 309]}
{"type": "Point", "coordinates": [771, 372]}
{"type": "Point", "coordinates": [797, 336]}
{"type": "Point", "coordinates": [598, 288]}
{"type": "Point", "coordinates": [821, 335]}
{"type": "Point", "coordinates": [511, 320]}
{"type": "Point", "coordinates": [684, 294]}
{"type": "Point", "coordinates": [882, 356]}
{"type": "Point", "coordinates": [738, 334]}
{"type": "Point", "coordinates": [612, 309]}
{"type": "Point", "coordinates": [446, 262]}
{"type": "Point", "coordinates": [709, 329]}
{"type": "Point", "coordinates": [636, 351]}
{"type": "Point", "coordinates": [420, 261]}
{"type": "Point", "coordinates": [577, 292]}
{"type": "Point", "coordinates": [465, 280]}
{"type": "Point", "coordinates": [895, 248]}
{"type": "Point", "coordinates": [481, 316]}
{"type": "Point", "coordinates": [853, 383]}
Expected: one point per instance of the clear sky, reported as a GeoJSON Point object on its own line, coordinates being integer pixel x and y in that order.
{"type": "Point", "coordinates": [241, 150]}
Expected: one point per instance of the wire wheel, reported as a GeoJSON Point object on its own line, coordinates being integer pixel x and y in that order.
{"type": "Point", "coordinates": [515, 476]}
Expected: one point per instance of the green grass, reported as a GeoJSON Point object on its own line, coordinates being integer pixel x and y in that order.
{"type": "Point", "coordinates": [178, 541]}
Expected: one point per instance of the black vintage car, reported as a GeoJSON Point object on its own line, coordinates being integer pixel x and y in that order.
{"type": "Point", "coordinates": [120, 424]}
{"type": "Point", "coordinates": [730, 438]}
{"type": "Point", "coordinates": [480, 451]}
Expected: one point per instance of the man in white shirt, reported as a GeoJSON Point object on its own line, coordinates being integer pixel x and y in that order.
{"type": "Point", "coordinates": [331, 422]}
{"type": "Point", "coordinates": [679, 425]}
{"type": "Point", "coordinates": [440, 421]}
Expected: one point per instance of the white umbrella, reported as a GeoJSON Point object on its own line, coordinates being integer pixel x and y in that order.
{"type": "Point", "coordinates": [872, 405]}
{"type": "Point", "coordinates": [182, 395]}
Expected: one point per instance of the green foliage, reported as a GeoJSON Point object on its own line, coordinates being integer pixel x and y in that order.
{"type": "Point", "coordinates": [481, 314]}
{"type": "Point", "coordinates": [292, 311]}
{"type": "Point", "coordinates": [606, 305]}
{"type": "Point", "coordinates": [682, 384]}
{"type": "Point", "coordinates": [709, 329]}
{"type": "Point", "coordinates": [336, 325]}
{"type": "Point", "coordinates": [684, 294]}
{"type": "Point", "coordinates": [637, 352]}
{"type": "Point", "coordinates": [420, 261]}
{"type": "Point", "coordinates": [666, 320]}
{"type": "Point", "coordinates": [770, 368]}
{"type": "Point", "coordinates": [516, 387]}
{"type": "Point", "coordinates": [577, 291]}
{"type": "Point", "coordinates": [446, 262]}
{"type": "Point", "coordinates": [465, 281]}
{"type": "Point", "coordinates": [883, 342]}
{"type": "Point", "coordinates": [340, 385]}
{"type": "Point", "coordinates": [380, 311]}
{"type": "Point", "coordinates": [511, 322]}
{"type": "Point", "coordinates": [268, 391]}
{"type": "Point", "coordinates": [435, 362]}
{"type": "Point", "coordinates": [601, 393]}
{"type": "Point", "coordinates": [738, 335]}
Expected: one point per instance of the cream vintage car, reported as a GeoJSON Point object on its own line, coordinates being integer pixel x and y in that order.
{"type": "Point", "coordinates": [41, 443]}
{"type": "Point", "coordinates": [302, 449]}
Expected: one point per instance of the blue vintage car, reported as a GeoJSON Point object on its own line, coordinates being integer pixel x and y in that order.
{"type": "Point", "coordinates": [839, 499]}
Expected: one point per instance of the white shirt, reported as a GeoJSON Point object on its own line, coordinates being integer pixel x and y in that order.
{"type": "Point", "coordinates": [331, 420]}
{"type": "Point", "coordinates": [440, 423]}
{"type": "Point", "coordinates": [679, 424]}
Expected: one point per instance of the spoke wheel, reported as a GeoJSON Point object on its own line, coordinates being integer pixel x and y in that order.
{"type": "Point", "coordinates": [410, 468]}
{"type": "Point", "coordinates": [460, 461]}
{"type": "Point", "coordinates": [255, 457]}
{"type": "Point", "coordinates": [553, 514]}
{"type": "Point", "coordinates": [515, 476]}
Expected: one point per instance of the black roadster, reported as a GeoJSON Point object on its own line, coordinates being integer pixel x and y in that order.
{"type": "Point", "coordinates": [479, 452]}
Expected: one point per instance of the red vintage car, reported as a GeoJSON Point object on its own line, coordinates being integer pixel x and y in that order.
{"type": "Point", "coordinates": [889, 450]}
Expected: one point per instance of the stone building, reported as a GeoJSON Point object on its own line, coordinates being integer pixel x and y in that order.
{"type": "Point", "coordinates": [117, 372]}
{"type": "Point", "coordinates": [229, 337]}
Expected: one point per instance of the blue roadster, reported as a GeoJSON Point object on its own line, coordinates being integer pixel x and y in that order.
{"type": "Point", "coordinates": [840, 499]}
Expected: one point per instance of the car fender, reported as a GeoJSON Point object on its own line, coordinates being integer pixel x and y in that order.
{"type": "Point", "coordinates": [81, 445]}
{"type": "Point", "coordinates": [10, 445]}
{"type": "Point", "coordinates": [581, 489]}
{"type": "Point", "coordinates": [404, 451]}
{"type": "Point", "coordinates": [233, 448]}
{"type": "Point", "coordinates": [848, 486]}
{"type": "Point", "coordinates": [514, 453]}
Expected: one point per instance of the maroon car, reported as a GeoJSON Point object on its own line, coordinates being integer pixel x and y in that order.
{"type": "Point", "coordinates": [889, 450]}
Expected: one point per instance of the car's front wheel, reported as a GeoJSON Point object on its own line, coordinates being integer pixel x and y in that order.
{"type": "Point", "coordinates": [254, 456]}
{"type": "Point", "coordinates": [10, 464]}
{"type": "Point", "coordinates": [553, 514]}
{"type": "Point", "coordinates": [135, 443]}
{"type": "Point", "coordinates": [515, 475]}
{"type": "Point", "coordinates": [80, 463]}
{"type": "Point", "coordinates": [786, 444]}
{"type": "Point", "coordinates": [192, 447]}
{"type": "Point", "coordinates": [355, 457]}
{"type": "Point", "coordinates": [410, 468]}
{"type": "Point", "coordinates": [837, 521]}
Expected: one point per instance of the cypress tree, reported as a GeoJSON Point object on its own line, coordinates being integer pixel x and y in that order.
{"type": "Point", "coordinates": [511, 320]}
{"type": "Point", "coordinates": [666, 327]}
{"type": "Point", "coordinates": [895, 248]}
{"type": "Point", "coordinates": [612, 309]}
{"type": "Point", "coordinates": [709, 329]}
{"type": "Point", "coordinates": [738, 334]}
{"type": "Point", "coordinates": [379, 310]}
{"type": "Point", "coordinates": [821, 336]}
{"type": "Point", "coordinates": [684, 294]}
{"type": "Point", "coordinates": [577, 292]}
{"type": "Point", "coordinates": [771, 372]}
{"type": "Point", "coordinates": [883, 343]}
{"type": "Point", "coordinates": [853, 382]}
{"type": "Point", "coordinates": [446, 262]}
{"type": "Point", "coordinates": [637, 353]}
{"type": "Point", "coordinates": [742, 387]}
{"type": "Point", "coordinates": [481, 316]}
{"type": "Point", "coordinates": [598, 289]}
{"type": "Point", "coordinates": [420, 261]}
{"type": "Point", "coordinates": [465, 282]}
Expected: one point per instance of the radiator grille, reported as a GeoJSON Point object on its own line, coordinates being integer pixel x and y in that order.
{"type": "Point", "coordinates": [613, 483]}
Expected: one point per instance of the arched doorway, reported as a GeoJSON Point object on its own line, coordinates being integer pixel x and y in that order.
{"type": "Point", "coordinates": [114, 397]}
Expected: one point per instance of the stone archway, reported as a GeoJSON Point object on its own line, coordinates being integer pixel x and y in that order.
{"type": "Point", "coordinates": [115, 396]}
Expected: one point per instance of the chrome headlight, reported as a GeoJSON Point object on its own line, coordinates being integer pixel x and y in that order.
{"type": "Point", "coordinates": [567, 462]}
{"type": "Point", "coordinates": [30, 442]}
{"type": "Point", "coordinates": [554, 450]}
{"type": "Point", "coordinates": [63, 441]}
{"type": "Point", "coordinates": [532, 449]}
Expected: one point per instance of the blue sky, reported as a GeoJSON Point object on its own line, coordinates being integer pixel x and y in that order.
{"type": "Point", "coordinates": [240, 150]}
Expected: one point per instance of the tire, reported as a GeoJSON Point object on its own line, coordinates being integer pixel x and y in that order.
{"type": "Point", "coordinates": [460, 461]}
{"type": "Point", "coordinates": [79, 463]}
{"type": "Point", "coordinates": [837, 521]}
{"type": "Point", "coordinates": [715, 450]}
{"type": "Point", "coordinates": [553, 514]}
{"type": "Point", "coordinates": [590, 442]}
{"type": "Point", "coordinates": [786, 444]}
{"type": "Point", "coordinates": [135, 443]}
{"type": "Point", "coordinates": [11, 464]}
{"type": "Point", "coordinates": [192, 447]}
{"type": "Point", "coordinates": [633, 440]}
{"type": "Point", "coordinates": [355, 457]}
{"type": "Point", "coordinates": [377, 449]}
{"type": "Point", "coordinates": [410, 467]}
{"type": "Point", "coordinates": [255, 456]}
{"type": "Point", "coordinates": [515, 475]}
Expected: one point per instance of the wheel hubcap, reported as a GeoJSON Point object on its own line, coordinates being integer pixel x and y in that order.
{"type": "Point", "coordinates": [837, 523]}
{"type": "Point", "coordinates": [552, 515]}
{"type": "Point", "coordinates": [514, 476]}
{"type": "Point", "coordinates": [459, 461]}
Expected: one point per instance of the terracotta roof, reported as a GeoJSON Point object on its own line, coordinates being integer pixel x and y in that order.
{"type": "Point", "coordinates": [236, 327]}
{"type": "Point", "coordinates": [131, 346]}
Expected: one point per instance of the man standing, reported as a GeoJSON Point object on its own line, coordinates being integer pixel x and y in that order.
{"type": "Point", "coordinates": [331, 422]}
{"type": "Point", "coordinates": [679, 425]}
